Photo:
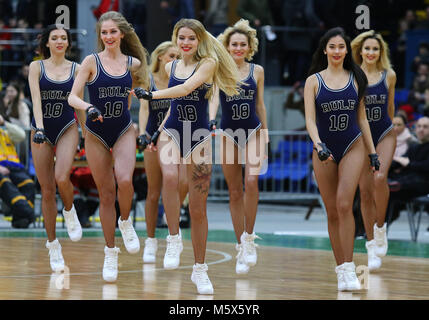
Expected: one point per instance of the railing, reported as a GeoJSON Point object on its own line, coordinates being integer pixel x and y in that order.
{"type": "Point", "coordinates": [279, 30]}
{"type": "Point", "coordinates": [289, 175]}
{"type": "Point", "coordinates": [30, 41]}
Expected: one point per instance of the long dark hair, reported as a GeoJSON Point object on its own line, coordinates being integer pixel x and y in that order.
{"type": "Point", "coordinates": [320, 62]}
{"type": "Point", "coordinates": [44, 38]}
{"type": "Point", "coordinates": [11, 111]}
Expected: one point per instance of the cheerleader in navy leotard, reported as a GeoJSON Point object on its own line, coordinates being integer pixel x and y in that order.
{"type": "Point", "coordinates": [54, 134]}
{"type": "Point", "coordinates": [337, 125]}
{"type": "Point", "coordinates": [185, 135]}
{"type": "Point", "coordinates": [110, 137]}
{"type": "Point", "coordinates": [242, 117]}
{"type": "Point", "coordinates": [151, 116]}
{"type": "Point", "coordinates": [371, 53]}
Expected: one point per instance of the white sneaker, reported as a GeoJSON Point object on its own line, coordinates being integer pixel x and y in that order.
{"type": "Point", "coordinates": [350, 278]}
{"type": "Point", "coordinates": [374, 262]}
{"type": "Point", "coordinates": [131, 240]}
{"type": "Point", "coordinates": [200, 278]}
{"type": "Point", "coordinates": [150, 248]}
{"type": "Point", "coordinates": [55, 256]}
{"type": "Point", "coordinates": [110, 267]}
{"type": "Point", "coordinates": [380, 237]}
{"type": "Point", "coordinates": [340, 277]}
{"type": "Point", "coordinates": [74, 228]}
{"type": "Point", "coordinates": [241, 265]}
{"type": "Point", "coordinates": [174, 249]}
{"type": "Point", "coordinates": [249, 248]}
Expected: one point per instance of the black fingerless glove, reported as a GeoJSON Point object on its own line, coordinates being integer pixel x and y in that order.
{"type": "Point", "coordinates": [92, 113]}
{"type": "Point", "coordinates": [154, 138]}
{"type": "Point", "coordinates": [142, 93]}
{"type": "Point", "coordinates": [212, 125]}
{"type": "Point", "coordinates": [39, 136]}
{"type": "Point", "coordinates": [373, 160]}
{"type": "Point", "coordinates": [324, 153]}
{"type": "Point", "coordinates": [142, 142]}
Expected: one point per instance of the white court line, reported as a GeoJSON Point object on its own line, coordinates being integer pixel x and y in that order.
{"type": "Point", "coordinates": [226, 257]}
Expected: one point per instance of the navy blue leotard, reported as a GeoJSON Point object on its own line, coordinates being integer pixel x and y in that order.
{"type": "Point", "coordinates": [188, 123]}
{"type": "Point", "coordinates": [376, 106]}
{"type": "Point", "coordinates": [239, 120]}
{"type": "Point", "coordinates": [110, 95]}
{"type": "Point", "coordinates": [336, 113]}
{"type": "Point", "coordinates": [157, 110]}
{"type": "Point", "coordinates": [58, 115]}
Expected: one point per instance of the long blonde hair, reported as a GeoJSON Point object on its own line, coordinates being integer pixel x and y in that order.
{"type": "Point", "coordinates": [130, 45]}
{"type": "Point", "coordinates": [160, 50]}
{"type": "Point", "coordinates": [226, 72]}
{"type": "Point", "coordinates": [383, 62]}
{"type": "Point", "coordinates": [241, 26]}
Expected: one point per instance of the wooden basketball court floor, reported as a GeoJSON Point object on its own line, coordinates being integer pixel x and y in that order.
{"type": "Point", "coordinates": [288, 268]}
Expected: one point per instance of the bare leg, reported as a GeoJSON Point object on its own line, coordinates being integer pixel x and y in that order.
{"type": "Point", "coordinates": [234, 179]}
{"type": "Point", "coordinates": [154, 183]}
{"type": "Point", "coordinates": [183, 183]}
{"type": "Point", "coordinates": [169, 159]}
{"type": "Point", "coordinates": [254, 160]}
{"type": "Point", "coordinates": [65, 152]}
{"type": "Point", "coordinates": [349, 171]}
{"type": "Point", "coordinates": [367, 201]}
{"type": "Point", "coordinates": [385, 151]}
{"type": "Point", "coordinates": [100, 163]}
{"type": "Point", "coordinates": [199, 173]}
{"type": "Point", "coordinates": [327, 180]}
{"type": "Point", "coordinates": [43, 157]}
{"type": "Point", "coordinates": [124, 154]}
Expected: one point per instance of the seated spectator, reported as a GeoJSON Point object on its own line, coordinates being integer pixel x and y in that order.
{"type": "Point", "coordinates": [17, 189]}
{"type": "Point", "coordinates": [216, 19]}
{"type": "Point", "coordinates": [411, 178]}
{"type": "Point", "coordinates": [295, 97]}
{"type": "Point", "coordinates": [422, 57]}
{"type": "Point", "coordinates": [424, 108]}
{"type": "Point", "coordinates": [12, 106]}
{"type": "Point", "coordinates": [404, 138]}
{"type": "Point", "coordinates": [420, 83]}
{"type": "Point", "coordinates": [22, 78]}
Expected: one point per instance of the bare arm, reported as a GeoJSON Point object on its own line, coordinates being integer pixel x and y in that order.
{"type": "Point", "coordinates": [204, 74]}
{"type": "Point", "coordinates": [261, 110]}
{"type": "Point", "coordinates": [364, 127]}
{"type": "Point", "coordinates": [391, 81]}
{"type": "Point", "coordinates": [81, 116]}
{"type": "Point", "coordinates": [310, 109]}
{"type": "Point", "coordinates": [143, 116]}
{"type": "Point", "coordinates": [86, 70]}
{"type": "Point", "coordinates": [214, 104]}
{"type": "Point", "coordinates": [33, 81]}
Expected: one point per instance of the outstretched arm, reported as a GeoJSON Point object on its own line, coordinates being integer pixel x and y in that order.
{"type": "Point", "coordinates": [204, 74]}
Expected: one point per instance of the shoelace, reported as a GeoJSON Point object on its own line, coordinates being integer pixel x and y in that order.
{"type": "Point", "coordinates": [128, 230]}
{"type": "Point", "coordinates": [239, 255]}
{"type": "Point", "coordinates": [340, 276]}
{"type": "Point", "coordinates": [172, 247]}
{"type": "Point", "coordinates": [110, 261]}
{"type": "Point", "coordinates": [379, 238]}
{"type": "Point", "coordinates": [202, 277]}
{"type": "Point", "coordinates": [251, 246]}
{"type": "Point", "coordinates": [70, 220]}
{"type": "Point", "coordinates": [55, 253]}
{"type": "Point", "coordinates": [150, 246]}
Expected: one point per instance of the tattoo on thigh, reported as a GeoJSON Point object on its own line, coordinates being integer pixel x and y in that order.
{"type": "Point", "coordinates": [201, 178]}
